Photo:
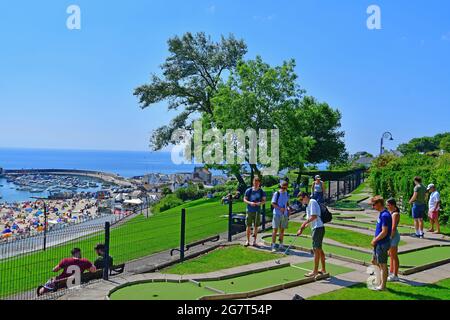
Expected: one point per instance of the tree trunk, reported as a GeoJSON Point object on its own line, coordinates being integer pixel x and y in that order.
{"type": "Point", "coordinates": [242, 187]}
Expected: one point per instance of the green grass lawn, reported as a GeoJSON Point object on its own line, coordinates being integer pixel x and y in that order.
{"type": "Point", "coordinates": [135, 239]}
{"type": "Point", "coordinates": [362, 188]}
{"type": "Point", "coordinates": [395, 291]}
{"type": "Point", "coordinates": [219, 259]}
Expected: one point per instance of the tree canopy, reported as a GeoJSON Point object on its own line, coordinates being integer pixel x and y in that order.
{"type": "Point", "coordinates": [190, 77]}
{"type": "Point", "coordinates": [424, 144]}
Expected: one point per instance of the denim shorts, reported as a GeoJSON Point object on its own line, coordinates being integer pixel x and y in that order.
{"type": "Point", "coordinates": [395, 240]}
{"type": "Point", "coordinates": [380, 253]}
{"type": "Point", "coordinates": [418, 211]}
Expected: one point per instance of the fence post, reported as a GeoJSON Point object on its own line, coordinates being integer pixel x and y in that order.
{"type": "Point", "coordinates": [230, 217]}
{"type": "Point", "coordinates": [182, 234]}
{"type": "Point", "coordinates": [106, 257]}
{"type": "Point", "coordinates": [263, 220]}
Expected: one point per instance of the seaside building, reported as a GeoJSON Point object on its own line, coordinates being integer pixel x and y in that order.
{"type": "Point", "coordinates": [202, 175]}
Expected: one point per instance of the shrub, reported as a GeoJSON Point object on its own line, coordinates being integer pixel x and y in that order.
{"type": "Point", "coordinates": [392, 176]}
{"type": "Point", "coordinates": [168, 202]}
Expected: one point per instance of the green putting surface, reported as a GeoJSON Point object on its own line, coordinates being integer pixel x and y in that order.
{"type": "Point", "coordinates": [247, 283]}
{"type": "Point", "coordinates": [423, 257]}
{"type": "Point", "coordinates": [161, 291]}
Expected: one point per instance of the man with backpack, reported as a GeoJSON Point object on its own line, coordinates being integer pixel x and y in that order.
{"type": "Point", "coordinates": [280, 204]}
{"type": "Point", "coordinates": [254, 197]}
{"type": "Point", "coordinates": [317, 215]}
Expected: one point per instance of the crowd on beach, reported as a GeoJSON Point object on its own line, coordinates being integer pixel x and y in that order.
{"type": "Point", "coordinates": [386, 238]}
{"type": "Point", "coordinates": [28, 218]}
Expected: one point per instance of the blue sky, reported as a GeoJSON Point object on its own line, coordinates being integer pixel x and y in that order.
{"type": "Point", "coordinates": [63, 88]}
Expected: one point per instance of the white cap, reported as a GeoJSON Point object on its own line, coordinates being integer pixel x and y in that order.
{"type": "Point", "coordinates": [317, 177]}
{"type": "Point", "coordinates": [431, 186]}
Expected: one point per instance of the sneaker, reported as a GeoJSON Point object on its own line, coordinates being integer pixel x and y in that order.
{"type": "Point", "coordinates": [281, 247]}
{"type": "Point", "coordinates": [377, 288]}
{"type": "Point", "coordinates": [247, 243]}
{"type": "Point", "coordinates": [392, 278]}
{"type": "Point", "coordinates": [274, 248]}
{"type": "Point", "coordinates": [422, 236]}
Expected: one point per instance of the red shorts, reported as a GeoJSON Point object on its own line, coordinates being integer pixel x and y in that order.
{"type": "Point", "coordinates": [433, 215]}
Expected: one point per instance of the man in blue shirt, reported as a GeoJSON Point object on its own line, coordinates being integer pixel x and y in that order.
{"type": "Point", "coordinates": [280, 204]}
{"type": "Point", "coordinates": [254, 197]}
{"type": "Point", "coordinates": [382, 240]}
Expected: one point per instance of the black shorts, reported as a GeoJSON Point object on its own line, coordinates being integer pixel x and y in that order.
{"type": "Point", "coordinates": [317, 237]}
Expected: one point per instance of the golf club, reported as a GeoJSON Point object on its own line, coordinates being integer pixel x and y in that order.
{"type": "Point", "coordinates": [288, 248]}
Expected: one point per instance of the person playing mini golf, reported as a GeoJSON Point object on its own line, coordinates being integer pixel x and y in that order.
{"type": "Point", "coordinates": [254, 197]}
{"type": "Point", "coordinates": [382, 240]}
{"type": "Point", "coordinates": [313, 213]}
{"type": "Point", "coordinates": [280, 221]}
{"type": "Point", "coordinates": [418, 206]}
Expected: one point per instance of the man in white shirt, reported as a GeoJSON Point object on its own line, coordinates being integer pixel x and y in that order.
{"type": "Point", "coordinates": [318, 232]}
{"type": "Point", "coordinates": [434, 204]}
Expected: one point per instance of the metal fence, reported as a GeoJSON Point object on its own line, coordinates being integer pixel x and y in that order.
{"type": "Point", "coordinates": [25, 264]}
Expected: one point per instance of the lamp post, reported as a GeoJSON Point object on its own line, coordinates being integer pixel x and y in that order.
{"type": "Point", "coordinates": [386, 135]}
{"type": "Point", "coordinates": [45, 219]}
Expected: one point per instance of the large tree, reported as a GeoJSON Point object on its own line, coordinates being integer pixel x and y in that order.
{"type": "Point", "coordinates": [324, 126]}
{"type": "Point", "coordinates": [258, 96]}
{"type": "Point", "coordinates": [189, 79]}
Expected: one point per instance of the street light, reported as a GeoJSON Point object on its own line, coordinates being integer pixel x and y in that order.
{"type": "Point", "coordinates": [386, 135]}
{"type": "Point", "coordinates": [45, 219]}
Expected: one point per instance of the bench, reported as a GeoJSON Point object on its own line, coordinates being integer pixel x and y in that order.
{"type": "Point", "coordinates": [86, 277]}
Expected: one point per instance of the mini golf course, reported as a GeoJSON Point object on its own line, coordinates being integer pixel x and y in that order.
{"type": "Point", "coordinates": [368, 225]}
{"type": "Point", "coordinates": [231, 287]}
{"type": "Point", "coordinates": [410, 262]}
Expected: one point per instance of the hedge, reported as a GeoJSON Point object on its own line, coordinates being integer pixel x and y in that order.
{"type": "Point", "coordinates": [392, 176]}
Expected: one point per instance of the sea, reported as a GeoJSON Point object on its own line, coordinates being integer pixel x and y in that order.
{"type": "Point", "coordinates": [125, 163]}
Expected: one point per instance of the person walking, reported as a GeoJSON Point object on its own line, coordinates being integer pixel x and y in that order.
{"type": "Point", "coordinates": [434, 205]}
{"type": "Point", "coordinates": [254, 197]}
{"type": "Point", "coordinates": [318, 189]}
{"type": "Point", "coordinates": [313, 213]}
{"type": "Point", "coordinates": [418, 206]}
{"type": "Point", "coordinates": [280, 221]}
{"type": "Point", "coordinates": [382, 240]}
{"type": "Point", "coordinates": [395, 240]}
